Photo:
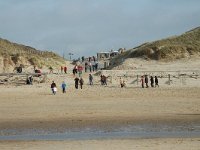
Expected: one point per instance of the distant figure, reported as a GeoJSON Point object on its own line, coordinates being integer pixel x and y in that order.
{"type": "Point", "coordinates": [122, 83]}
{"type": "Point", "coordinates": [94, 59]}
{"type": "Point", "coordinates": [65, 70]}
{"type": "Point", "coordinates": [76, 82]}
{"type": "Point", "coordinates": [93, 66]}
{"type": "Point", "coordinates": [29, 80]}
{"type": "Point", "coordinates": [18, 69]}
{"type": "Point", "coordinates": [152, 81]}
{"type": "Point", "coordinates": [90, 66]}
{"type": "Point", "coordinates": [50, 69]}
{"type": "Point", "coordinates": [80, 69]}
{"type": "Point", "coordinates": [142, 81]}
{"type": "Point", "coordinates": [103, 80]}
{"type": "Point", "coordinates": [81, 82]}
{"type": "Point", "coordinates": [61, 69]}
{"type": "Point", "coordinates": [90, 79]}
{"type": "Point", "coordinates": [86, 66]}
{"type": "Point", "coordinates": [64, 87]}
{"type": "Point", "coordinates": [39, 73]}
{"type": "Point", "coordinates": [146, 81]}
{"type": "Point", "coordinates": [75, 70]}
{"type": "Point", "coordinates": [96, 66]}
{"type": "Point", "coordinates": [53, 87]}
{"type": "Point", "coordinates": [156, 81]}
{"type": "Point", "coordinates": [82, 58]}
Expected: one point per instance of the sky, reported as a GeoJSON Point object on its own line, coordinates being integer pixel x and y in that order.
{"type": "Point", "coordinates": [85, 27]}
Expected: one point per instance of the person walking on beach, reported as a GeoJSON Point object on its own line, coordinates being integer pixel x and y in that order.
{"type": "Point", "coordinates": [86, 66]}
{"type": "Point", "coordinates": [142, 81]}
{"type": "Point", "coordinates": [146, 81]}
{"type": "Point", "coordinates": [81, 82]}
{"type": "Point", "coordinates": [76, 82]}
{"type": "Point", "coordinates": [104, 78]}
{"type": "Point", "coordinates": [90, 79]}
{"type": "Point", "coordinates": [65, 70]}
{"type": "Point", "coordinates": [156, 81]}
{"type": "Point", "coordinates": [96, 66]}
{"type": "Point", "coordinates": [90, 66]}
{"type": "Point", "coordinates": [53, 87]}
{"type": "Point", "coordinates": [122, 83]}
{"type": "Point", "coordinates": [64, 87]}
{"type": "Point", "coordinates": [61, 69]}
{"type": "Point", "coordinates": [152, 81]}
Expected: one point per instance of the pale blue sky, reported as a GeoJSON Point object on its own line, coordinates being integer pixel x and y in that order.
{"type": "Point", "coordinates": [85, 27]}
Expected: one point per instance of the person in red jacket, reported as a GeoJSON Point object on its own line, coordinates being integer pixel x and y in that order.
{"type": "Point", "coordinates": [65, 69]}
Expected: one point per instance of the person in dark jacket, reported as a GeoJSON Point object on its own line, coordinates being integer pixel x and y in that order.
{"type": "Point", "coordinates": [156, 81]}
{"type": "Point", "coordinates": [152, 81]}
{"type": "Point", "coordinates": [146, 80]}
{"type": "Point", "coordinates": [81, 82]}
{"type": "Point", "coordinates": [76, 82]}
{"type": "Point", "coordinates": [53, 87]}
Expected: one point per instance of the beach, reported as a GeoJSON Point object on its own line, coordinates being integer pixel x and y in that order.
{"type": "Point", "coordinates": [34, 109]}
{"type": "Point", "coordinates": [104, 116]}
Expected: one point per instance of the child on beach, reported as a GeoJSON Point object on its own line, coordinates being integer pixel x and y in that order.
{"type": "Point", "coordinates": [64, 87]}
{"type": "Point", "coordinates": [53, 87]}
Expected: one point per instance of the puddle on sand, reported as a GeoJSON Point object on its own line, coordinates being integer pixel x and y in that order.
{"type": "Point", "coordinates": [131, 131]}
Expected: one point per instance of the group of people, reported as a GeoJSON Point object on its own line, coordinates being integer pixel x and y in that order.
{"type": "Point", "coordinates": [63, 69]}
{"type": "Point", "coordinates": [103, 80]}
{"type": "Point", "coordinates": [153, 81]}
{"type": "Point", "coordinates": [91, 65]}
{"type": "Point", "coordinates": [77, 70]}
{"type": "Point", "coordinates": [54, 87]}
{"type": "Point", "coordinates": [79, 81]}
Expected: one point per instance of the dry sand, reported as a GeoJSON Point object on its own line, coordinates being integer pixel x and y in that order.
{"type": "Point", "coordinates": [34, 107]}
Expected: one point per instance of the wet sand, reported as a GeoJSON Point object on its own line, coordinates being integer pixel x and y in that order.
{"type": "Point", "coordinates": [123, 144]}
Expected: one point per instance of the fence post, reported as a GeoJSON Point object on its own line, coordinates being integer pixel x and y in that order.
{"type": "Point", "coordinates": [169, 79]}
